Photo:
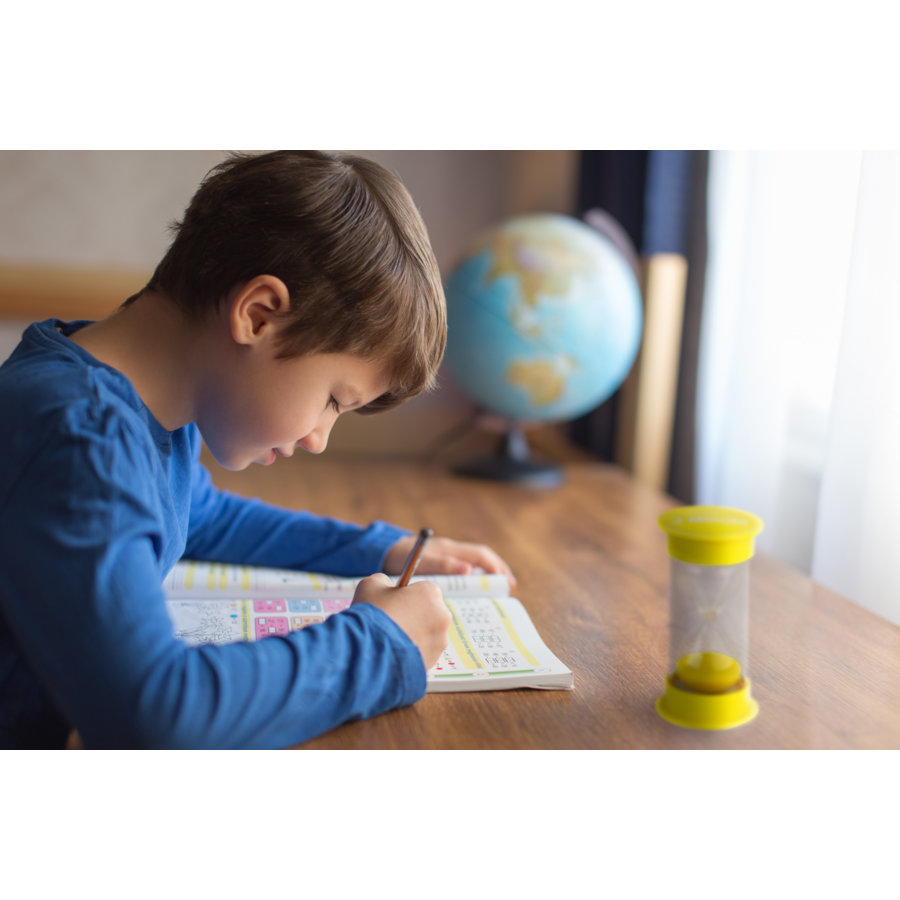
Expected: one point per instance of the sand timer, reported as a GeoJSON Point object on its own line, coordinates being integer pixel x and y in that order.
{"type": "Point", "coordinates": [709, 594]}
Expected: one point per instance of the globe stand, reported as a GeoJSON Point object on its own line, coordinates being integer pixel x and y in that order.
{"type": "Point", "coordinates": [511, 463]}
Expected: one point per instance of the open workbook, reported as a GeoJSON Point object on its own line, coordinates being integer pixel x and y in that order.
{"type": "Point", "coordinates": [493, 644]}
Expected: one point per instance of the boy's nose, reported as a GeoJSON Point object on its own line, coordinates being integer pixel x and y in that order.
{"type": "Point", "coordinates": [316, 441]}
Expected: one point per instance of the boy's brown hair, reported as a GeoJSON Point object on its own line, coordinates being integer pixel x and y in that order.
{"type": "Point", "coordinates": [344, 236]}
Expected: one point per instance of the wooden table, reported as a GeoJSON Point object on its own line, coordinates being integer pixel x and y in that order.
{"type": "Point", "coordinates": [593, 574]}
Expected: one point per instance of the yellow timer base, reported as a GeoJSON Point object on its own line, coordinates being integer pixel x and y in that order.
{"type": "Point", "coordinates": [689, 708]}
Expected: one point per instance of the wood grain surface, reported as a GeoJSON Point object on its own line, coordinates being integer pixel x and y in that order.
{"type": "Point", "coordinates": [593, 575]}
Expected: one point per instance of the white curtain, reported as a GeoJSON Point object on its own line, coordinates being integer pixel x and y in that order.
{"type": "Point", "coordinates": [799, 377]}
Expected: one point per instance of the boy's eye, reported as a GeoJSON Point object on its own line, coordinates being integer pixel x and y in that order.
{"type": "Point", "coordinates": [335, 405]}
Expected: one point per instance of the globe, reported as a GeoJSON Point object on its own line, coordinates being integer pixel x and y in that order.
{"type": "Point", "coordinates": [544, 318]}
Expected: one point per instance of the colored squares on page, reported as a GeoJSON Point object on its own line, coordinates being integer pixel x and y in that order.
{"type": "Point", "coordinates": [269, 626]}
{"type": "Point", "coordinates": [269, 606]}
{"type": "Point", "coordinates": [305, 606]}
{"type": "Point", "coordinates": [298, 622]}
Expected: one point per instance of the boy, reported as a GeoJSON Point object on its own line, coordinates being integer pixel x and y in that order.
{"type": "Point", "coordinates": [298, 286]}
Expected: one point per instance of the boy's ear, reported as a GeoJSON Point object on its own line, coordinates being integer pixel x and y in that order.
{"type": "Point", "coordinates": [256, 307]}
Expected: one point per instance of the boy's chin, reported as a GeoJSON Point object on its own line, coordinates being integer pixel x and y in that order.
{"type": "Point", "coordinates": [236, 461]}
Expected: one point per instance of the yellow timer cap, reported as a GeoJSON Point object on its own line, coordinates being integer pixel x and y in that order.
{"type": "Point", "coordinates": [710, 535]}
{"type": "Point", "coordinates": [711, 712]}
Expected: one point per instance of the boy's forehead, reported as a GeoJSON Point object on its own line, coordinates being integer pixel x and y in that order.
{"type": "Point", "coordinates": [363, 376]}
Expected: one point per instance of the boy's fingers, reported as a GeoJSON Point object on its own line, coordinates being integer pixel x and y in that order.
{"type": "Point", "coordinates": [444, 556]}
{"type": "Point", "coordinates": [381, 578]}
{"type": "Point", "coordinates": [485, 558]}
{"type": "Point", "coordinates": [368, 588]}
{"type": "Point", "coordinates": [444, 565]}
{"type": "Point", "coordinates": [464, 562]}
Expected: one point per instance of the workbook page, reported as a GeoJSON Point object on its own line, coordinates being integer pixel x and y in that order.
{"type": "Point", "coordinates": [493, 643]}
{"type": "Point", "coordinates": [221, 580]}
{"type": "Point", "coordinates": [491, 637]}
{"type": "Point", "coordinates": [226, 621]}
{"type": "Point", "coordinates": [189, 579]}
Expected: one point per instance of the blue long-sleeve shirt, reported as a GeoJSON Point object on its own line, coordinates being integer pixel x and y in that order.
{"type": "Point", "coordinates": [97, 503]}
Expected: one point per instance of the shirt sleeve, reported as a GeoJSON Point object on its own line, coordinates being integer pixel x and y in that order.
{"type": "Point", "coordinates": [226, 527]}
{"type": "Point", "coordinates": [81, 592]}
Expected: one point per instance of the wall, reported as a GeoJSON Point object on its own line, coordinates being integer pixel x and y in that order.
{"type": "Point", "coordinates": [98, 208]}
{"type": "Point", "coordinates": [101, 207]}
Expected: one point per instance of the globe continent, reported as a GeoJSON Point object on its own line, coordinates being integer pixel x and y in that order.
{"type": "Point", "coordinates": [544, 318]}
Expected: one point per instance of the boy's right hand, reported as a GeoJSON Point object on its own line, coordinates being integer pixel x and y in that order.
{"type": "Point", "coordinates": [418, 609]}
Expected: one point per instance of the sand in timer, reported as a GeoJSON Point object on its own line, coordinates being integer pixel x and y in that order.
{"type": "Point", "coordinates": [708, 685]}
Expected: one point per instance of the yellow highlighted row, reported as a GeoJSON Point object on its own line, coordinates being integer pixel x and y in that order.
{"type": "Point", "coordinates": [460, 640]}
{"type": "Point", "coordinates": [222, 571]}
{"type": "Point", "coordinates": [508, 625]}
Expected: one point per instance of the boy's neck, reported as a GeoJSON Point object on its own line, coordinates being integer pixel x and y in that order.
{"type": "Point", "coordinates": [155, 347]}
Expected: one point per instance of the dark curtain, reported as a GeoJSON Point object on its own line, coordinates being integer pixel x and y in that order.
{"type": "Point", "coordinates": [659, 198]}
{"type": "Point", "coordinates": [614, 180]}
{"type": "Point", "coordinates": [611, 180]}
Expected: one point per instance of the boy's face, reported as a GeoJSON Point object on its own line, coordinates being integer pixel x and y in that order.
{"type": "Point", "coordinates": [272, 406]}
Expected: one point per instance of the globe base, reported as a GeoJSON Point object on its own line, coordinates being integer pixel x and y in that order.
{"type": "Point", "coordinates": [511, 464]}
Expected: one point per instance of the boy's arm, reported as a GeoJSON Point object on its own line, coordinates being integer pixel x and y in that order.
{"type": "Point", "coordinates": [228, 528]}
{"type": "Point", "coordinates": [225, 527]}
{"type": "Point", "coordinates": [80, 590]}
